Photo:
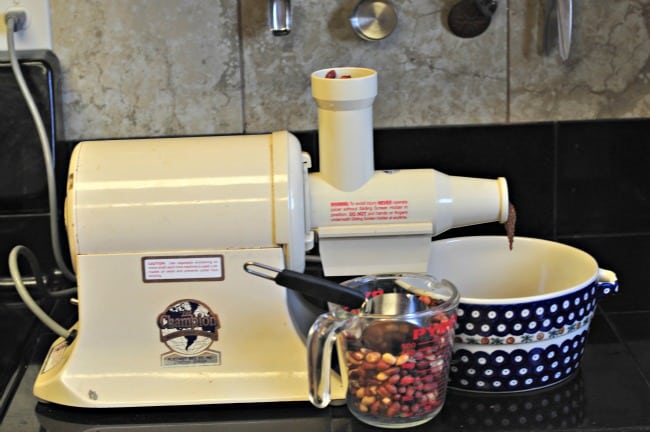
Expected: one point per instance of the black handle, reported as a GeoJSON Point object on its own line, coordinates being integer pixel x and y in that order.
{"type": "Point", "coordinates": [320, 288]}
{"type": "Point", "coordinates": [314, 286]}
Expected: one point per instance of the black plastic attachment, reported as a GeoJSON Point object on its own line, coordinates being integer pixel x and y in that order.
{"type": "Point", "coordinates": [313, 286]}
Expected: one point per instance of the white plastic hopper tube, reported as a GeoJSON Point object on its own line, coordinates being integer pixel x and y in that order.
{"type": "Point", "coordinates": [345, 129]}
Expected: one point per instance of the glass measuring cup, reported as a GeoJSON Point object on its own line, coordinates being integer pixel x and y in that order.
{"type": "Point", "coordinates": [394, 351]}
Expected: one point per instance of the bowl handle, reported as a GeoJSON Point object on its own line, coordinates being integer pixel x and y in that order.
{"type": "Point", "coordinates": [607, 283]}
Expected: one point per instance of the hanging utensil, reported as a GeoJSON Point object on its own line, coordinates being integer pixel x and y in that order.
{"type": "Point", "coordinates": [558, 21]}
{"type": "Point", "coordinates": [470, 18]}
{"type": "Point", "coordinates": [280, 17]}
{"type": "Point", "coordinates": [550, 29]}
{"type": "Point", "coordinates": [564, 26]}
{"type": "Point", "coordinates": [320, 288]}
{"type": "Point", "coordinates": [373, 20]}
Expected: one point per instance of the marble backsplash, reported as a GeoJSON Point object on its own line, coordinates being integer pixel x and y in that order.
{"type": "Point", "coordinates": [135, 68]}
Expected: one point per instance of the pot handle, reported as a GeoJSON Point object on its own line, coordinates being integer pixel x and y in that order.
{"type": "Point", "coordinates": [320, 342]}
{"type": "Point", "coordinates": [606, 283]}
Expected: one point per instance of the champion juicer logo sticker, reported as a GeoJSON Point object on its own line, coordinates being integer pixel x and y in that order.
{"type": "Point", "coordinates": [189, 328]}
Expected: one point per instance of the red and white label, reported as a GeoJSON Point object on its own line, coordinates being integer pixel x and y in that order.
{"type": "Point", "coordinates": [369, 211]}
{"type": "Point", "coordinates": [54, 357]}
{"type": "Point", "coordinates": [186, 268]}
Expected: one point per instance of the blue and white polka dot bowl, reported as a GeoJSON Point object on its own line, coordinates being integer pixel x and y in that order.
{"type": "Point", "coordinates": [524, 313]}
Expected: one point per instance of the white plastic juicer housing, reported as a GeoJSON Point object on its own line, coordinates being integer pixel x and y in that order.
{"type": "Point", "coordinates": [159, 231]}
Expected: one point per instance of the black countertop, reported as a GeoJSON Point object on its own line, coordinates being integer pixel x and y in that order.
{"type": "Point", "coordinates": [610, 391]}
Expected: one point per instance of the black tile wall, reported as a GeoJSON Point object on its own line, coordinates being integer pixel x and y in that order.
{"type": "Point", "coordinates": [603, 177]}
{"type": "Point", "coordinates": [24, 209]}
{"type": "Point", "coordinates": [625, 255]}
{"type": "Point", "coordinates": [22, 175]}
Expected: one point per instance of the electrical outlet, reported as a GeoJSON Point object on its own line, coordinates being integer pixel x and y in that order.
{"type": "Point", "coordinates": [38, 33]}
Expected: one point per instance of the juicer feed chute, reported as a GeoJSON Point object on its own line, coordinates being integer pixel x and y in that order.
{"type": "Point", "coordinates": [160, 231]}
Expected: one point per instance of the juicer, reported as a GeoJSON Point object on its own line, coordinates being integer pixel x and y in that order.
{"type": "Point", "coordinates": [160, 229]}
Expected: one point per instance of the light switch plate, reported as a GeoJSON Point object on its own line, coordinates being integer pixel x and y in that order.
{"type": "Point", "coordinates": [38, 33]}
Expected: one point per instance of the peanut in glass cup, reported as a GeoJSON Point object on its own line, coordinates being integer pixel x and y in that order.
{"type": "Point", "coordinates": [394, 352]}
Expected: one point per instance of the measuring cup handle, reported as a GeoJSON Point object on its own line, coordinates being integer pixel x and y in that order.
{"type": "Point", "coordinates": [320, 342]}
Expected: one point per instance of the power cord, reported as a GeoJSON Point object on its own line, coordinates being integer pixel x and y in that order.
{"type": "Point", "coordinates": [15, 21]}
{"type": "Point", "coordinates": [24, 294]}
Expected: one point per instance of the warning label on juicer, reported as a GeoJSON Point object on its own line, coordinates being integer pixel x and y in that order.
{"type": "Point", "coordinates": [185, 268]}
{"type": "Point", "coordinates": [369, 211]}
